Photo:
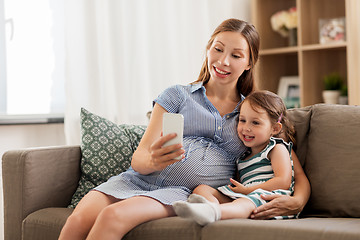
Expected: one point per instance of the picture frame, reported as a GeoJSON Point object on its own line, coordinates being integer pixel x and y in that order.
{"type": "Point", "coordinates": [332, 30]}
{"type": "Point", "coordinates": [289, 91]}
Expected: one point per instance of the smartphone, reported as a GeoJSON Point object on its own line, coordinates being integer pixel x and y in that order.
{"type": "Point", "coordinates": [173, 123]}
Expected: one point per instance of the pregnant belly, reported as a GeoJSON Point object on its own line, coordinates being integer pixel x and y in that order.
{"type": "Point", "coordinates": [205, 163]}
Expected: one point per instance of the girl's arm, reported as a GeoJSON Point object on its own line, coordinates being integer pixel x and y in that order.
{"type": "Point", "coordinates": [281, 165]}
{"type": "Point", "coordinates": [150, 156]}
{"type": "Point", "coordinates": [282, 205]}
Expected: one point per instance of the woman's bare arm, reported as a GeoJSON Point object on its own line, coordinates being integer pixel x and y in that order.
{"type": "Point", "coordinates": [282, 205]}
{"type": "Point", "coordinates": [280, 164]}
{"type": "Point", "coordinates": [150, 156]}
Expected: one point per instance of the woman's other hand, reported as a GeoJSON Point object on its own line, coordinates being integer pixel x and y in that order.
{"type": "Point", "coordinates": [278, 205]}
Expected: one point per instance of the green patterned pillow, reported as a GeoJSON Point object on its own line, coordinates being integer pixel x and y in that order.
{"type": "Point", "coordinates": [106, 150]}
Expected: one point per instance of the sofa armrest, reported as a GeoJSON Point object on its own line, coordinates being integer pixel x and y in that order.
{"type": "Point", "coordinates": [37, 178]}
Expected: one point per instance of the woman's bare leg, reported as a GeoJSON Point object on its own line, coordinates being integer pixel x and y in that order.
{"type": "Point", "coordinates": [119, 218]}
{"type": "Point", "coordinates": [80, 222]}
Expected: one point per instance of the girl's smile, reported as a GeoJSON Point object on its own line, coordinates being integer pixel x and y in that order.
{"type": "Point", "coordinates": [248, 138]}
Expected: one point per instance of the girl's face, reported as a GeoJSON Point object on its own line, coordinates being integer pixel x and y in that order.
{"type": "Point", "coordinates": [228, 57]}
{"type": "Point", "coordinates": [255, 127]}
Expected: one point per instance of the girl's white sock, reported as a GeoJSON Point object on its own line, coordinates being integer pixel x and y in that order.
{"type": "Point", "coordinates": [202, 213]}
{"type": "Point", "coordinates": [195, 198]}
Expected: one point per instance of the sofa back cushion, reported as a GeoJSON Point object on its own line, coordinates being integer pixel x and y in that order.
{"type": "Point", "coordinates": [106, 150]}
{"type": "Point", "coordinates": [332, 161]}
{"type": "Point", "coordinates": [300, 117]}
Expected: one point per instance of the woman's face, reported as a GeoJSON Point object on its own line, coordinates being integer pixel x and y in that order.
{"type": "Point", "coordinates": [228, 57]}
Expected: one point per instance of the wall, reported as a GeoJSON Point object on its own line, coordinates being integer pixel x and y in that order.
{"type": "Point", "coordinates": [23, 136]}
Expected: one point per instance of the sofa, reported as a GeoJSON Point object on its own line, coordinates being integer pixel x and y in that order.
{"type": "Point", "coordinates": [39, 185]}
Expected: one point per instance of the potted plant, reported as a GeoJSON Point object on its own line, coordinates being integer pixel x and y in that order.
{"type": "Point", "coordinates": [332, 87]}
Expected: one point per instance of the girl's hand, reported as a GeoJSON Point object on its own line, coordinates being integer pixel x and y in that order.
{"type": "Point", "coordinates": [239, 188]}
{"type": "Point", "coordinates": [279, 205]}
{"type": "Point", "coordinates": [161, 157]}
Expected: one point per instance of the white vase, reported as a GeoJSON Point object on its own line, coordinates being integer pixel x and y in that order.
{"type": "Point", "coordinates": [331, 96]}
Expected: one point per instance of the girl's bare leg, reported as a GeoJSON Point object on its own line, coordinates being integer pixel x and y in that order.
{"type": "Point", "coordinates": [119, 218]}
{"type": "Point", "coordinates": [239, 208]}
{"type": "Point", "coordinates": [216, 207]}
{"type": "Point", "coordinates": [211, 194]}
{"type": "Point", "coordinates": [79, 223]}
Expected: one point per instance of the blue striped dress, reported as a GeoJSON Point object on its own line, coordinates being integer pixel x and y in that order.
{"type": "Point", "coordinates": [211, 148]}
{"type": "Point", "coordinates": [257, 170]}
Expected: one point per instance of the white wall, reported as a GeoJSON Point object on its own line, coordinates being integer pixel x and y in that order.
{"type": "Point", "coordinates": [23, 136]}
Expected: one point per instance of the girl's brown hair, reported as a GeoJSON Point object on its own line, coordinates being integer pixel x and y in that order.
{"type": "Point", "coordinates": [275, 108]}
{"type": "Point", "coordinates": [245, 83]}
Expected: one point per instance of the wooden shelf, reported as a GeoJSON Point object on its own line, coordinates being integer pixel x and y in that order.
{"type": "Point", "coordinates": [326, 46]}
{"type": "Point", "coordinates": [309, 60]}
{"type": "Point", "coordinates": [282, 50]}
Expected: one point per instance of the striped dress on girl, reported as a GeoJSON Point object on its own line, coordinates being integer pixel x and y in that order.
{"type": "Point", "coordinates": [257, 170]}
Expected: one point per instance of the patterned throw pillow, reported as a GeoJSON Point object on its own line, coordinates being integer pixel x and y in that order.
{"type": "Point", "coordinates": [106, 150]}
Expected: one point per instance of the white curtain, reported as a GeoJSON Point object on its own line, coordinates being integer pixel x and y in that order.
{"type": "Point", "coordinates": [120, 54]}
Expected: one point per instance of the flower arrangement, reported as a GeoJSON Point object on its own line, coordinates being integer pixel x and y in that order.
{"type": "Point", "coordinates": [284, 20]}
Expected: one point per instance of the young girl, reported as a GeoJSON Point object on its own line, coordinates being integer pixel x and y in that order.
{"type": "Point", "coordinates": [265, 169]}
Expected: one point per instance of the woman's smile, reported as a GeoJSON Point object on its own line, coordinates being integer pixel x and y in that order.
{"type": "Point", "coordinates": [221, 73]}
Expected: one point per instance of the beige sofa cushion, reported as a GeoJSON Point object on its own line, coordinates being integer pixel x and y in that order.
{"type": "Point", "coordinates": [300, 117]}
{"type": "Point", "coordinates": [332, 162]}
{"type": "Point", "coordinates": [294, 229]}
{"type": "Point", "coordinates": [47, 224]}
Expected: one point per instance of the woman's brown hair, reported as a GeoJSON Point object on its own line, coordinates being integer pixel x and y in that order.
{"type": "Point", "coordinates": [245, 83]}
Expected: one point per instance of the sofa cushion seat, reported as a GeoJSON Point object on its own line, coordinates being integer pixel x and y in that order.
{"type": "Point", "coordinates": [294, 229]}
{"type": "Point", "coordinates": [41, 225]}
{"type": "Point", "coordinates": [174, 228]}
{"type": "Point", "coordinates": [45, 223]}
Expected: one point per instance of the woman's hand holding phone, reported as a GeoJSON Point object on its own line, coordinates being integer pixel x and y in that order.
{"type": "Point", "coordinates": [173, 123]}
{"type": "Point", "coordinates": [161, 157]}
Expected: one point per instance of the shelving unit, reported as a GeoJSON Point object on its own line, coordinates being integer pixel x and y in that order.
{"type": "Point", "coordinates": [309, 60]}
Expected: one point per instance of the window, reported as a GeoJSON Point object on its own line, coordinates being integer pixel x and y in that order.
{"type": "Point", "coordinates": [31, 57]}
